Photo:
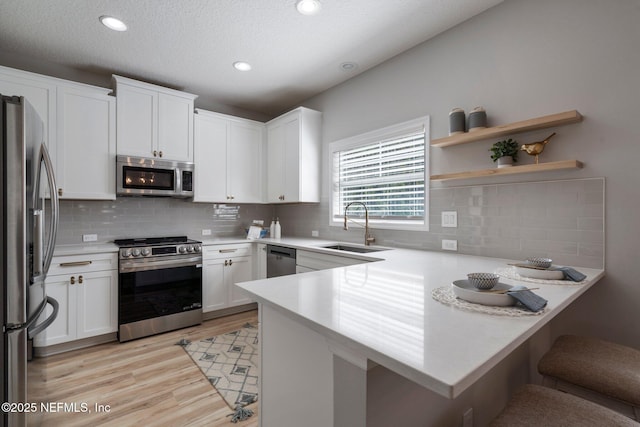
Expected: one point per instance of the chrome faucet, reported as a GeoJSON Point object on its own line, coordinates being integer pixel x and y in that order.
{"type": "Point", "coordinates": [368, 238]}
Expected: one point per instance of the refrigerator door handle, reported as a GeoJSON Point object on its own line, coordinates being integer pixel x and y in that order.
{"type": "Point", "coordinates": [44, 325]}
{"type": "Point", "coordinates": [48, 165]}
{"type": "Point", "coordinates": [38, 240]}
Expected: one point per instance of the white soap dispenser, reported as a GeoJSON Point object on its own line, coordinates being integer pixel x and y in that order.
{"type": "Point", "coordinates": [272, 229]}
{"type": "Point", "coordinates": [278, 229]}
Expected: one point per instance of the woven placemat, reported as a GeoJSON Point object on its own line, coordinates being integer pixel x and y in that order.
{"type": "Point", "coordinates": [510, 273]}
{"type": "Point", "coordinates": [446, 296]}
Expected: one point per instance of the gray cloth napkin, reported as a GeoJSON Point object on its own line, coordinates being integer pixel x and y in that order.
{"type": "Point", "coordinates": [571, 273]}
{"type": "Point", "coordinates": [530, 300]}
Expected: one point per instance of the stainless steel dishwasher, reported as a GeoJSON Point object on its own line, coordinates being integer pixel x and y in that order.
{"type": "Point", "coordinates": [281, 261]}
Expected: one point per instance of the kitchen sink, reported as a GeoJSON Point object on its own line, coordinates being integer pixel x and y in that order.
{"type": "Point", "coordinates": [358, 249]}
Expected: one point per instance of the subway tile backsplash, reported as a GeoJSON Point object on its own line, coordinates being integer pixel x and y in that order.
{"type": "Point", "coordinates": [563, 220]}
{"type": "Point", "coordinates": [146, 217]}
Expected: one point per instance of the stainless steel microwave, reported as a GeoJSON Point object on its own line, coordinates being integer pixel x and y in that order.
{"type": "Point", "coordinates": [139, 176]}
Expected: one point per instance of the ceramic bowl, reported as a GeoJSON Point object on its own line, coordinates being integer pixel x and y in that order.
{"type": "Point", "coordinates": [466, 291]}
{"type": "Point", "coordinates": [540, 262]}
{"type": "Point", "coordinates": [483, 280]}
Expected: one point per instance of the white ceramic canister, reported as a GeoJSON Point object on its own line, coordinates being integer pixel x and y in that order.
{"type": "Point", "coordinates": [477, 119]}
{"type": "Point", "coordinates": [456, 121]}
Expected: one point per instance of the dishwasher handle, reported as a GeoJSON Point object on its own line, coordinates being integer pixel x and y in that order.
{"type": "Point", "coordinates": [281, 251]}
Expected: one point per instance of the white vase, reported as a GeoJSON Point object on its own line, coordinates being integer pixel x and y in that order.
{"type": "Point", "coordinates": [505, 162]}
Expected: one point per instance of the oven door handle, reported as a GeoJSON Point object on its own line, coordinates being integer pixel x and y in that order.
{"type": "Point", "coordinates": [130, 266]}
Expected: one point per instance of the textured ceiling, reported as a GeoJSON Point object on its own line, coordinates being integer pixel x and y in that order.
{"type": "Point", "coordinates": [191, 44]}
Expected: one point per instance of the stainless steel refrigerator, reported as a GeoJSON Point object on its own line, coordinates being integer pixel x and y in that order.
{"type": "Point", "coordinates": [29, 224]}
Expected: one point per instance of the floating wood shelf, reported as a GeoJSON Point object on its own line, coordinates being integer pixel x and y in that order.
{"type": "Point", "coordinates": [558, 119]}
{"type": "Point", "coordinates": [551, 166]}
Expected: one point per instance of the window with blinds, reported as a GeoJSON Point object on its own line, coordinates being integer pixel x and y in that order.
{"type": "Point", "coordinates": [385, 172]}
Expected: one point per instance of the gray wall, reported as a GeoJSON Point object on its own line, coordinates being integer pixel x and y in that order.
{"type": "Point", "coordinates": [521, 59]}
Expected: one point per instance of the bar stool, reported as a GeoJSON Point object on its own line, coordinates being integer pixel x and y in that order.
{"type": "Point", "coordinates": [598, 370]}
{"type": "Point", "coordinates": [533, 406]}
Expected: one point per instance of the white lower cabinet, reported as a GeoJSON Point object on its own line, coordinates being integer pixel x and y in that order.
{"type": "Point", "coordinates": [260, 261]}
{"type": "Point", "coordinates": [223, 266]}
{"type": "Point", "coordinates": [86, 288]}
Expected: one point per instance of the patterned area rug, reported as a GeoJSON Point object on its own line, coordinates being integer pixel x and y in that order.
{"type": "Point", "coordinates": [230, 362]}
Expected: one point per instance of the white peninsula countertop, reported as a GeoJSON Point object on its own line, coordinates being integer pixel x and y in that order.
{"type": "Point", "coordinates": [384, 311]}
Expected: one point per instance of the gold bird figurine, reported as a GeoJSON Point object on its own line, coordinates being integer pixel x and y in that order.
{"type": "Point", "coordinates": [535, 148]}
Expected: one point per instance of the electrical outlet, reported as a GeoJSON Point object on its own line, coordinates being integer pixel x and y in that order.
{"type": "Point", "coordinates": [450, 219]}
{"type": "Point", "coordinates": [449, 245]}
{"type": "Point", "coordinates": [206, 232]}
{"type": "Point", "coordinates": [314, 233]}
{"type": "Point", "coordinates": [89, 237]}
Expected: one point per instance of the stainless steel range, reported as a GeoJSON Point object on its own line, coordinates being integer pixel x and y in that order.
{"type": "Point", "coordinates": [160, 284]}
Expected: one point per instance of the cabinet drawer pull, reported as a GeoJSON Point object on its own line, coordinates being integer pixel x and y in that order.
{"type": "Point", "coordinates": [226, 251]}
{"type": "Point", "coordinates": [74, 263]}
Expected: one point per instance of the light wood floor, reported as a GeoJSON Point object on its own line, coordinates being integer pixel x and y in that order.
{"type": "Point", "coordinates": [150, 382]}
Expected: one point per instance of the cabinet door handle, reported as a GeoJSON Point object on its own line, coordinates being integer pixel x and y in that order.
{"type": "Point", "coordinates": [226, 262]}
{"type": "Point", "coordinates": [160, 153]}
{"type": "Point", "coordinates": [155, 153]}
{"type": "Point", "coordinates": [60, 191]}
{"type": "Point", "coordinates": [72, 280]}
{"type": "Point", "coordinates": [75, 263]}
{"type": "Point", "coordinates": [80, 279]}
{"type": "Point", "coordinates": [226, 251]}
{"type": "Point", "coordinates": [230, 262]}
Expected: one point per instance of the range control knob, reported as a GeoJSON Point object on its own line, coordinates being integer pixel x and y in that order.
{"type": "Point", "coordinates": [136, 252]}
{"type": "Point", "coordinates": [182, 249]}
{"type": "Point", "coordinates": [197, 248]}
{"type": "Point", "coordinates": [125, 253]}
{"type": "Point", "coordinates": [190, 248]}
{"type": "Point", "coordinates": [146, 252]}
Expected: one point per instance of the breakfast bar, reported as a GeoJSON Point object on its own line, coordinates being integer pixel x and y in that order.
{"type": "Point", "coordinates": [338, 342]}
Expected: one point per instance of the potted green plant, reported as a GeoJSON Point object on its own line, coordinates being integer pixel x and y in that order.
{"type": "Point", "coordinates": [505, 152]}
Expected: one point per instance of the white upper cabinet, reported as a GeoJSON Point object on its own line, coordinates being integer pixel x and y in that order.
{"type": "Point", "coordinates": [79, 130]}
{"type": "Point", "coordinates": [86, 143]}
{"type": "Point", "coordinates": [153, 121]}
{"type": "Point", "coordinates": [228, 159]}
{"type": "Point", "coordinates": [293, 156]}
{"type": "Point", "coordinates": [40, 91]}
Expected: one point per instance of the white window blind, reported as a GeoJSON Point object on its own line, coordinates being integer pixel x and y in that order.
{"type": "Point", "coordinates": [388, 175]}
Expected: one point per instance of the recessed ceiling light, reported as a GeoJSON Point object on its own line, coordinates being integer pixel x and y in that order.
{"type": "Point", "coordinates": [308, 7]}
{"type": "Point", "coordinates": [113, 23]}
{"type": "Point", "coordinates": [242, 66]}
{"type": "Point", "coordinates": [348, 66]}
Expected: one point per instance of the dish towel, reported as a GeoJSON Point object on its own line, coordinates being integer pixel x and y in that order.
{"type": "Point", "coordinates": [571, 273]}
{"type": "Point", "coordinates": [527, 298]}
